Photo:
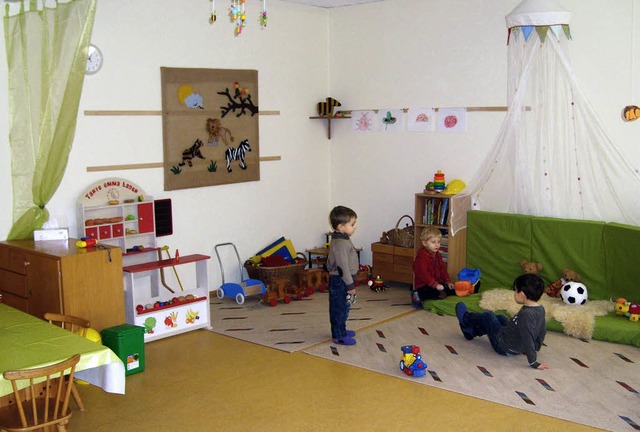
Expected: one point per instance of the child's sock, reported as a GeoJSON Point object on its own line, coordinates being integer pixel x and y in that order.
{"type": "Point", "coordinates": [467, 330]}
{"type": "Point", "coordinates": [415, 300]}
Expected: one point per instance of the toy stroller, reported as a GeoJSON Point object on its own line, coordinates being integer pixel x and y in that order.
{"type": "Point", "coordinates": [238, 291]}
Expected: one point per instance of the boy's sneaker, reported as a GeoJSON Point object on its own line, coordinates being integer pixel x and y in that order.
{"type": "Point", "coordinates": [461, 311]}
{"type": "Point", "coordinates": [345, 341]}
{"type": "Point", "coordinates": [351, 333]}
{"type": "Point", "coordinates": [415, 300]}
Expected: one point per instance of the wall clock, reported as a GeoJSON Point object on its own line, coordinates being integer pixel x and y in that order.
{"type": "Point", "coordinates": [94, 60]}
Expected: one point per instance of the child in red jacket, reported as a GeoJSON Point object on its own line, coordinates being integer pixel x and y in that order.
{"type": "Point", "coordinates": [432, 279]}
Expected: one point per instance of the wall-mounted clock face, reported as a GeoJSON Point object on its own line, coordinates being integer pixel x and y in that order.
{"type": "Point", "coordinates": [94, 60]}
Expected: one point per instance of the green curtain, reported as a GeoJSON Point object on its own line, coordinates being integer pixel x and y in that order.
{"type": "Point", "coordinates": [46, 57]}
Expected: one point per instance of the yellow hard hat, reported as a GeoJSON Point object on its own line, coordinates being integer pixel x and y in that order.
{"type": "Point", "coordinates": [454, 186]}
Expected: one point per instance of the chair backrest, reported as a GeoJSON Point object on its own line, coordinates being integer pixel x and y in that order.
{"type": "Point", "coordinates": [45, 399]}
{"type": "Point", "coordinates": [68, 322]}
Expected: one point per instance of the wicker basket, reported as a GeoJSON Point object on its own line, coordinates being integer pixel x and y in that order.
{"type": "Point", "coordinates": [266, 274]}
{"type": "Point", "coordinates": [402, 237]}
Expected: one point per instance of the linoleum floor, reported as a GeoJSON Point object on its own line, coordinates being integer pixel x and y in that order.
{"type": "Point", "coordinates": [203, 381]}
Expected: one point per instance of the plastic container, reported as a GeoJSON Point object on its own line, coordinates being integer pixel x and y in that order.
{"type": "Point", "coordinates": [127, 341]}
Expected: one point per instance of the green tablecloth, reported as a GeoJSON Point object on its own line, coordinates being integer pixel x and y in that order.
{"type": "Point", "coordinates": [28, 342]}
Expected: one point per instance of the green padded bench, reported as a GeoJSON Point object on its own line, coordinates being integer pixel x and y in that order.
{"type": "Point", "coordinates": [604, 254]}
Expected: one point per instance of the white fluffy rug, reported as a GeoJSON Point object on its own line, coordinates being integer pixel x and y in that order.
{"type": "Point", "coordinates": [578, 321]}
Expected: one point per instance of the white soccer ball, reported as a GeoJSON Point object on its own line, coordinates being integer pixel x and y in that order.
{"type": "Point", "coordinates": [574, 293]}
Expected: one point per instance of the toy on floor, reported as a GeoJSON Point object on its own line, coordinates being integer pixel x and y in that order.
{"type": "Point", "coordinates": [411, 362]}
{"type": "Point", "coordinates": [628, 309]}
{"type": "Point", "coordinates": [315, 279]}
{"type": "Point", "coordinates": [240, 290]}
{"type": "Point", "coordinates": [468, 281]}
{"type": "Point", "coordinates": [363, 275]}
{"type": "Point", "coordinates": [574, 293]}
{"type": "Point", "coordinates": [568, 275]}
{"type": "Point", "coordinates": [377, 284]}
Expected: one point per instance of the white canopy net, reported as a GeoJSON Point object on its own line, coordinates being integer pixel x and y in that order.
{"type": "Point", "coordinates": [551, 157]}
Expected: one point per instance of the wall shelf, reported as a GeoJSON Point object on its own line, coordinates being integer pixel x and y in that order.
{"type": "Point", "coordinates": [329, 119]}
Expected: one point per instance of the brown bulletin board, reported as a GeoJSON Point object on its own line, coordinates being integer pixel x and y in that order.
{"type": "Point", "coordinates": [210, 127]}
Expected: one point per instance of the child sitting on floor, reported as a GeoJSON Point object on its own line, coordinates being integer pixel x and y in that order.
{"type": "Point", "coordinates": [432, 279]}
{"type": "Point", "coordinates": [523, 334]}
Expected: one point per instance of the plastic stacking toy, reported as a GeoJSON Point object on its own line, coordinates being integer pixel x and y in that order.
{"type": "Point", "coordinates": [438, 181]}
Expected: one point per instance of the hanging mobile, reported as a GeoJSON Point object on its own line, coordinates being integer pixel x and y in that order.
{"type": "Point", "coordinates": [263, 16]}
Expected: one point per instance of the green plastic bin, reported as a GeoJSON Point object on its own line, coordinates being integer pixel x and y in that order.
{"type": "Point", "coordinates": [127, 341]}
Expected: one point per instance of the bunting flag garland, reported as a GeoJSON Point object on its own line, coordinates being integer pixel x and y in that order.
{"type": "Point", "coordinates": [542, 31]}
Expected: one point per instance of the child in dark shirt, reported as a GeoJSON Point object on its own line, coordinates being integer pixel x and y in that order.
{"type": "Point", "coordinates": [523, 334]}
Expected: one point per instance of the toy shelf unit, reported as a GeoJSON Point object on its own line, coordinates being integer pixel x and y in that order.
{"type": "Point", "coordinates": [167, 312]}
{"type": "Point", "coordinates": [117, 212]}
{"type": "Point", "coordinates": [433, 209]}
{"type": "Point", "coordinates": [129, 226]}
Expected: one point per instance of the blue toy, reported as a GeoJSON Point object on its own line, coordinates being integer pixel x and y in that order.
{"type": "Point", "coordinates": [238, 291]}
{"type": "Point", "coordinates": [411, 362]}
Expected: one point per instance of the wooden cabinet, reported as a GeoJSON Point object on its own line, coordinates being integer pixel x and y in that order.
{"type": "Point", "coordinates": [393, 263]}
{"type": "Point", "coordinates": [433, 208]}
{"type": "Point", "coordinates": [56, 276]}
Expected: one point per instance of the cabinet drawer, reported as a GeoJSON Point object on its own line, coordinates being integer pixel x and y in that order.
{"type": "Point", "coordinates": [104, 232]}
{"type": "Point", "coordinates": [403, 261]}
{"type": "Point", "coordinates": [15, 301]}
{"type": "Point", "coordinates": [404, 269]}
{"type": "Point", "coordinates": [91, 232]}
{"type": "Point", "coordinates": [13, 260]}
{"type": "Point", "coordinates": [383, 258]}
{"type": "Point", "coordinates": [118, 230]}
{"type": "Point", "coordinates": [13, 283]}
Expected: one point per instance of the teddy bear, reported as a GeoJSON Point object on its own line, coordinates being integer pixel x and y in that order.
{"type": "Point", "coordinates": [568, 275]}
{"type": "Point", "coordinates": [530, 267]}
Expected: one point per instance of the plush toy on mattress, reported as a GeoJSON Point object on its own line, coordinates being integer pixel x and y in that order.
{"type": "Point", "coordinates": [530, 267]}
{"type": "Point", "coordinates": [568, 275]}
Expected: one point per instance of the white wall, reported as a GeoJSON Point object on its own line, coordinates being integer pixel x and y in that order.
{"type": "Point", "coordinates": [137, 37]}
{"type": "Point", "coordinates": [453, 53]}
{"type": "Point", "coordinates": [390, 54]}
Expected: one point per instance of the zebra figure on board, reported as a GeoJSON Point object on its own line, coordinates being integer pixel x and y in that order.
{"type": "Point", "coordinates": [237, 154]}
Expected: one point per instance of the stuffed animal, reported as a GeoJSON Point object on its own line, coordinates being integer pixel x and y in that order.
{"type": "Point", "coordinates": [530, 267]}
{"type": "Point", "coordinates": [628, 309]}
{"type": "Point", "coordinates": [568, 275]}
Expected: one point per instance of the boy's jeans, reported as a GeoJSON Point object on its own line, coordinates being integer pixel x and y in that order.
{"type": "Point", "coordinates": [338, 307]}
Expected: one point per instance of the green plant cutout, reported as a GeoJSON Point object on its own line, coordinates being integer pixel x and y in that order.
{"type": "Point", "coordinates": [213, 166]}
{"type": "Point", "coordinates": [176, 169]}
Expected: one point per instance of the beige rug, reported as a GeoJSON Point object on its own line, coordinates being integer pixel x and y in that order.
{"type": "Point", "coordinates": [590, 382]}
{"type": "Point", "coordinates": [302, 323]}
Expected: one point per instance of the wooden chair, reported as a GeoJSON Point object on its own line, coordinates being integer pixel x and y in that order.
{"type": "Point", "coordinates": [44, 402]}
{"type": "Point", "coordinates": [74, 325]}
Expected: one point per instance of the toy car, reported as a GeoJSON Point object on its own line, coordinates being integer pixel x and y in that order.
{"type": "Point", "coordinates": [411, 362]}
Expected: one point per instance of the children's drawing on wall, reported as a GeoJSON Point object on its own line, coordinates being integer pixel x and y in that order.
{"type": "Point", "coordinates": [364, 121]}
{"type": "Point", "coordinates": [452, 120]}
{"type": "Point", "coordinates": [209, 120]}
{"type": "Point", "coordinates": [421, 119]}
{"type": "Point", "coordinates": [391, 120]}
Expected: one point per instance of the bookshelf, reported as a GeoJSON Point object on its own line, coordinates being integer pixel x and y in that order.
{"type": "Point", "coordinates": [434, 209]}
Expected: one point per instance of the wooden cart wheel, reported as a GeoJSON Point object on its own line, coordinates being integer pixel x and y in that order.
{"type": "Point", "coordinates": [299, 296]}
{"type": "Point", "coordinates": [273, 302]}
{"type": "Point", "coordinates": [309, 291]}
{"type": "Point", "coordinates": [287, 299]}
{"type": "Point", "coordinates": [239, 298]}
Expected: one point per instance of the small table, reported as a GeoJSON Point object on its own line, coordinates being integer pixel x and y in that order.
{"type": "Point", "coordinates": [321, 256]}
{"type": "Point", "coordinates": [29, 342]}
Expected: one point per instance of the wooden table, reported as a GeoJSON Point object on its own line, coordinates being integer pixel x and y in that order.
{"type": "Point", "coordinates": [29, 342]}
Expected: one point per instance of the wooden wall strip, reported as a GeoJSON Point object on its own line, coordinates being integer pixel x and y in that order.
{"type": "Point", "coordinates": [146, 112]}
{"type": "Point", "coordinates": [154, 165]}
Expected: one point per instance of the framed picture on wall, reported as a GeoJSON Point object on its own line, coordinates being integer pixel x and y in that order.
{"type": "Point", "coordinates": [209, 126]}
